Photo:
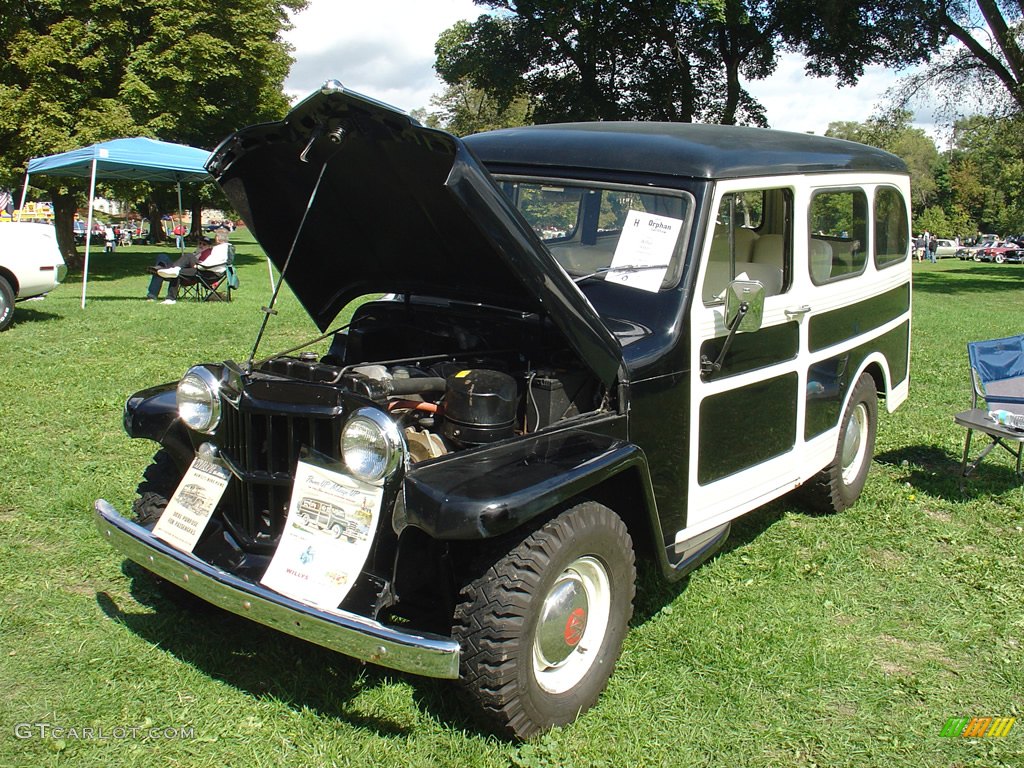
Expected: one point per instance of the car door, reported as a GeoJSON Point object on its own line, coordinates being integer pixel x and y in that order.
{"type": "Point", "coordinates": [746, 416]}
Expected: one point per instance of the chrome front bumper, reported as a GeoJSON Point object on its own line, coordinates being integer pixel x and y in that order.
{"type": "Point", "coordinates": [347, 633]}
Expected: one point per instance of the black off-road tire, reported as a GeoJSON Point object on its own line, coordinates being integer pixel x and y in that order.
{"type": "Point", "coordinates": [839, 484]}
{"type": "Point", "coordinates": [6, 304]}
{"type": "Point", "coordinates": [159, 481]}
{"type": "Point", "coordinates": [575, 577]}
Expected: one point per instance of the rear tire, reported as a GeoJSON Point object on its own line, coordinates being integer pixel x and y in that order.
{"type": "Point", "coordinates": [6, 305]}
{"type": "Point", "coordinates": [839, 484]}
{"type": "Point", "coordinates": [542, 625]}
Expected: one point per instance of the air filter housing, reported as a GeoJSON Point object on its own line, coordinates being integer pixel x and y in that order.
{"type": "Point", "coordinates": [480, 406]}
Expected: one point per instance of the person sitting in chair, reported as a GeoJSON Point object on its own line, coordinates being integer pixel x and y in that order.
{"type": "Point", "coordinates": [185, 267]}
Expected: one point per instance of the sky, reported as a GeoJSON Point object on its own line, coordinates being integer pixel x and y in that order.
{"type": "Point", "coordinates": [385, 49]}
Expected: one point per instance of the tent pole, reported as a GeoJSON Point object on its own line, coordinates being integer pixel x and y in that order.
{"type": "Point", "coordinates": [24, 193]}
{"type": "Point", "coordinates": [181, 222]}
{"type": "Point", "coordinates": [88, 231]}
{"type": "Point", "coordinates": [270, 271]}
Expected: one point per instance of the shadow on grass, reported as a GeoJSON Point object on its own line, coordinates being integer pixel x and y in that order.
{"type": "Point", "coordinates": [984, 279]}
{"type": "Point", "coordinates": [266, 663]}
{"type": "Point", "coordinates": [653, 592]}
{"type": "Point", "coordinates": [936, 472]}
{"type": "Point", "coordinates": [24, 314]}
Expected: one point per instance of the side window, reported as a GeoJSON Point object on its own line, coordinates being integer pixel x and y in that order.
{"type": "Point", "coordinates": [752, 240]}
{"type": "Point", "coordinates": [838, 232]}
{"type": "Point", "coordinates": [892, 238]}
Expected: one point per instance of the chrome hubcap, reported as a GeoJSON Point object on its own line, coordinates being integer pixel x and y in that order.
{"type": "Point", "coordinates": [855, 443]}
{"type": "Point", "coordinates": [572, 625]}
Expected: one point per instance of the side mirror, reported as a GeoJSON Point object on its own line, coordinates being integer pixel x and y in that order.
{"type": "Point", "coordinates": [744, 308]}
{"type": "Point", "coordinates": [746, 298]}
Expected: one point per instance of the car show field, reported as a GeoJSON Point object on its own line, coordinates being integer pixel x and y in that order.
{"type": "Point", "coordinates": [906, 604]}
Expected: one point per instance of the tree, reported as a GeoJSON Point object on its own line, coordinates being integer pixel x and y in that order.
{"type": "Point", "coordinates": [76, 72]}
{"type": "Point", "coordinates": [465, 110]}
{"type": "Point", "coordinates": [978, 184]}
{"type": "Point", "coordinates": [978, 64]}
{"type": "Point", "coordinates": [894, 133]}
{"type": "Point", "coordinates": [665, 59]}
{"type": "Point", "coordinates": [987, 166]}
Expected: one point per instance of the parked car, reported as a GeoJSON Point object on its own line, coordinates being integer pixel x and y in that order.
{"type": "Point", "coordinates": [970, 252]}
{"type": "Point", "coordinates": [946, 249]}
{"type": "Point", "coordinates": [996, 252]}
{"type": "Point", "coordinates": [30, 265]}
{"type": "Point", "coordinates": [598, 342]}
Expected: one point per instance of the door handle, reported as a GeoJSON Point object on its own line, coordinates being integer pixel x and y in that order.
{"type": "Point", "coordinates": [797, 312]}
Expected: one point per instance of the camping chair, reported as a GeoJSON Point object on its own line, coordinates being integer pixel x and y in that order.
{"type": "Point", "coordinates": [213, 278]}
{"type": "Point", "coordinates": [997, 379]}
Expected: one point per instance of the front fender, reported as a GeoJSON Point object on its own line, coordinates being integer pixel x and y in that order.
{"type": "Point", "coordinates": [490, 491]}
{"type": "Point", "coordinates": [153, 414]}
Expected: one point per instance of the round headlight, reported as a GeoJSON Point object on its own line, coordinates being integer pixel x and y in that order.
{"type": "Point", "coordinates": [371, 445]}
{"type": "Point", "coordinates": [199, 399]}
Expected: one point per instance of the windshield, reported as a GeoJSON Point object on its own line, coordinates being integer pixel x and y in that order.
{"type": "Point", "coordinates": [620, 234]}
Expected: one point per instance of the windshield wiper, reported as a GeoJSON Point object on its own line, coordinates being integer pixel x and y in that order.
{"type": "Point", "coordinates": [623, 268]}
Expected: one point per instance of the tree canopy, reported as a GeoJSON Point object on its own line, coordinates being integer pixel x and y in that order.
{"type": "Point", "coordinates": [666, 59]}
{"type": "Point", "coordinates": [75, 72]}
{"type": "Point", "coordinates": [977, 63]}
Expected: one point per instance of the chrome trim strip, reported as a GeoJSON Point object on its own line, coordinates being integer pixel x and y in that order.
{"type": "Point", "coordinates": [347, 633]}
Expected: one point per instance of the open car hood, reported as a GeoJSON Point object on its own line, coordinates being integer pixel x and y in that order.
{"type": "Point", "coordinates": [387, 206]}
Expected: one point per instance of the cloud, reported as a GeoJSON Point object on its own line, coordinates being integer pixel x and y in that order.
{"type": "Point", "coordinates": [794, 101]}
{"type": "Point", "coordinates": [384, 49]}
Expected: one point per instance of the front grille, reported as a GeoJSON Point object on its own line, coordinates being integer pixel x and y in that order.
{"type": "Point", "coordinates": [263, 449]}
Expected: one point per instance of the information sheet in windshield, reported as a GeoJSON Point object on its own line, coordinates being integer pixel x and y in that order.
{"type": "Point", "coordinates": [647, 240]}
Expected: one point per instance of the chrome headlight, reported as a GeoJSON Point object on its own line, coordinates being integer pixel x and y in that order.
{"type": "Point", "coordinates": [199, 399]}
{"type": "Point", "coordinates": [371, 445]}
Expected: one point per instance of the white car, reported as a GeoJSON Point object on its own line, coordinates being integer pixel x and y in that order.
{"type": "Point", "coordinates": [946, 249]}
{"type": "Point", "coordinates": [30, 265]}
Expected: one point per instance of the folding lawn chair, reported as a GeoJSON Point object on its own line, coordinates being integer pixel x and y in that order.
{"type": "Point", "coordinates": [213, 278]}
{"type": "Point", "coordinates": [997, 380]}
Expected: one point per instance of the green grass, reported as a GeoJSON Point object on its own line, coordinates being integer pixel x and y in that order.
{"type": "Point", "coordinates": [841, 640]}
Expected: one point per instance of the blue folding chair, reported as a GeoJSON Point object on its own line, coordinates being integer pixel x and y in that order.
{"type": "Point", "coordinates": [997, 380]}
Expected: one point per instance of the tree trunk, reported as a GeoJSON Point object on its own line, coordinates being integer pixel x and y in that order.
{"type": "Point", "coordinates": [153, 213]}
{"type": "Point", "coordinates": [64, 207]}
{"type": "Point", "coordinates": [197, 219]}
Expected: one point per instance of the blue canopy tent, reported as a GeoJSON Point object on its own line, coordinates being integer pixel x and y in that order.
{"type": "Point", "coordinates": [138, 159]}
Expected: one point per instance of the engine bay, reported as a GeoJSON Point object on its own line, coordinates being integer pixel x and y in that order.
{"type": "Point", "coordinates": [462, 377]}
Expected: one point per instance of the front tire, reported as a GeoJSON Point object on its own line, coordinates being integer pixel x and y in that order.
{"type": "Point", "coordinates": [6, 305]}
{"type": "Point", "coordinates": [839, 485]}
{"type": "Point", "coordinates": [159, 482]}
{"type": "Point", "coordinates": [542, 625]}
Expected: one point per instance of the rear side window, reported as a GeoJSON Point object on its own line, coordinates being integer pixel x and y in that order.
{"type": "Point", "coordinates": [838, 228]}
{"type": "Point", "coordinates": [892, 237]}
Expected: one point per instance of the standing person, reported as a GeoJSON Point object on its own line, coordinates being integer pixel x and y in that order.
{"type": "Point", "coordinates": [926, 237]}
{"type": "Point", "coordinates": [933, 247]}
{"type": "Point", "coordinates": [179, 235]}
{"type": "Point", "coordinates": [110, 238]}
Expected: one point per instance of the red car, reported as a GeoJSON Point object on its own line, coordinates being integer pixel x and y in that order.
{"type": "Point", "coordinates": [997, 252]}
